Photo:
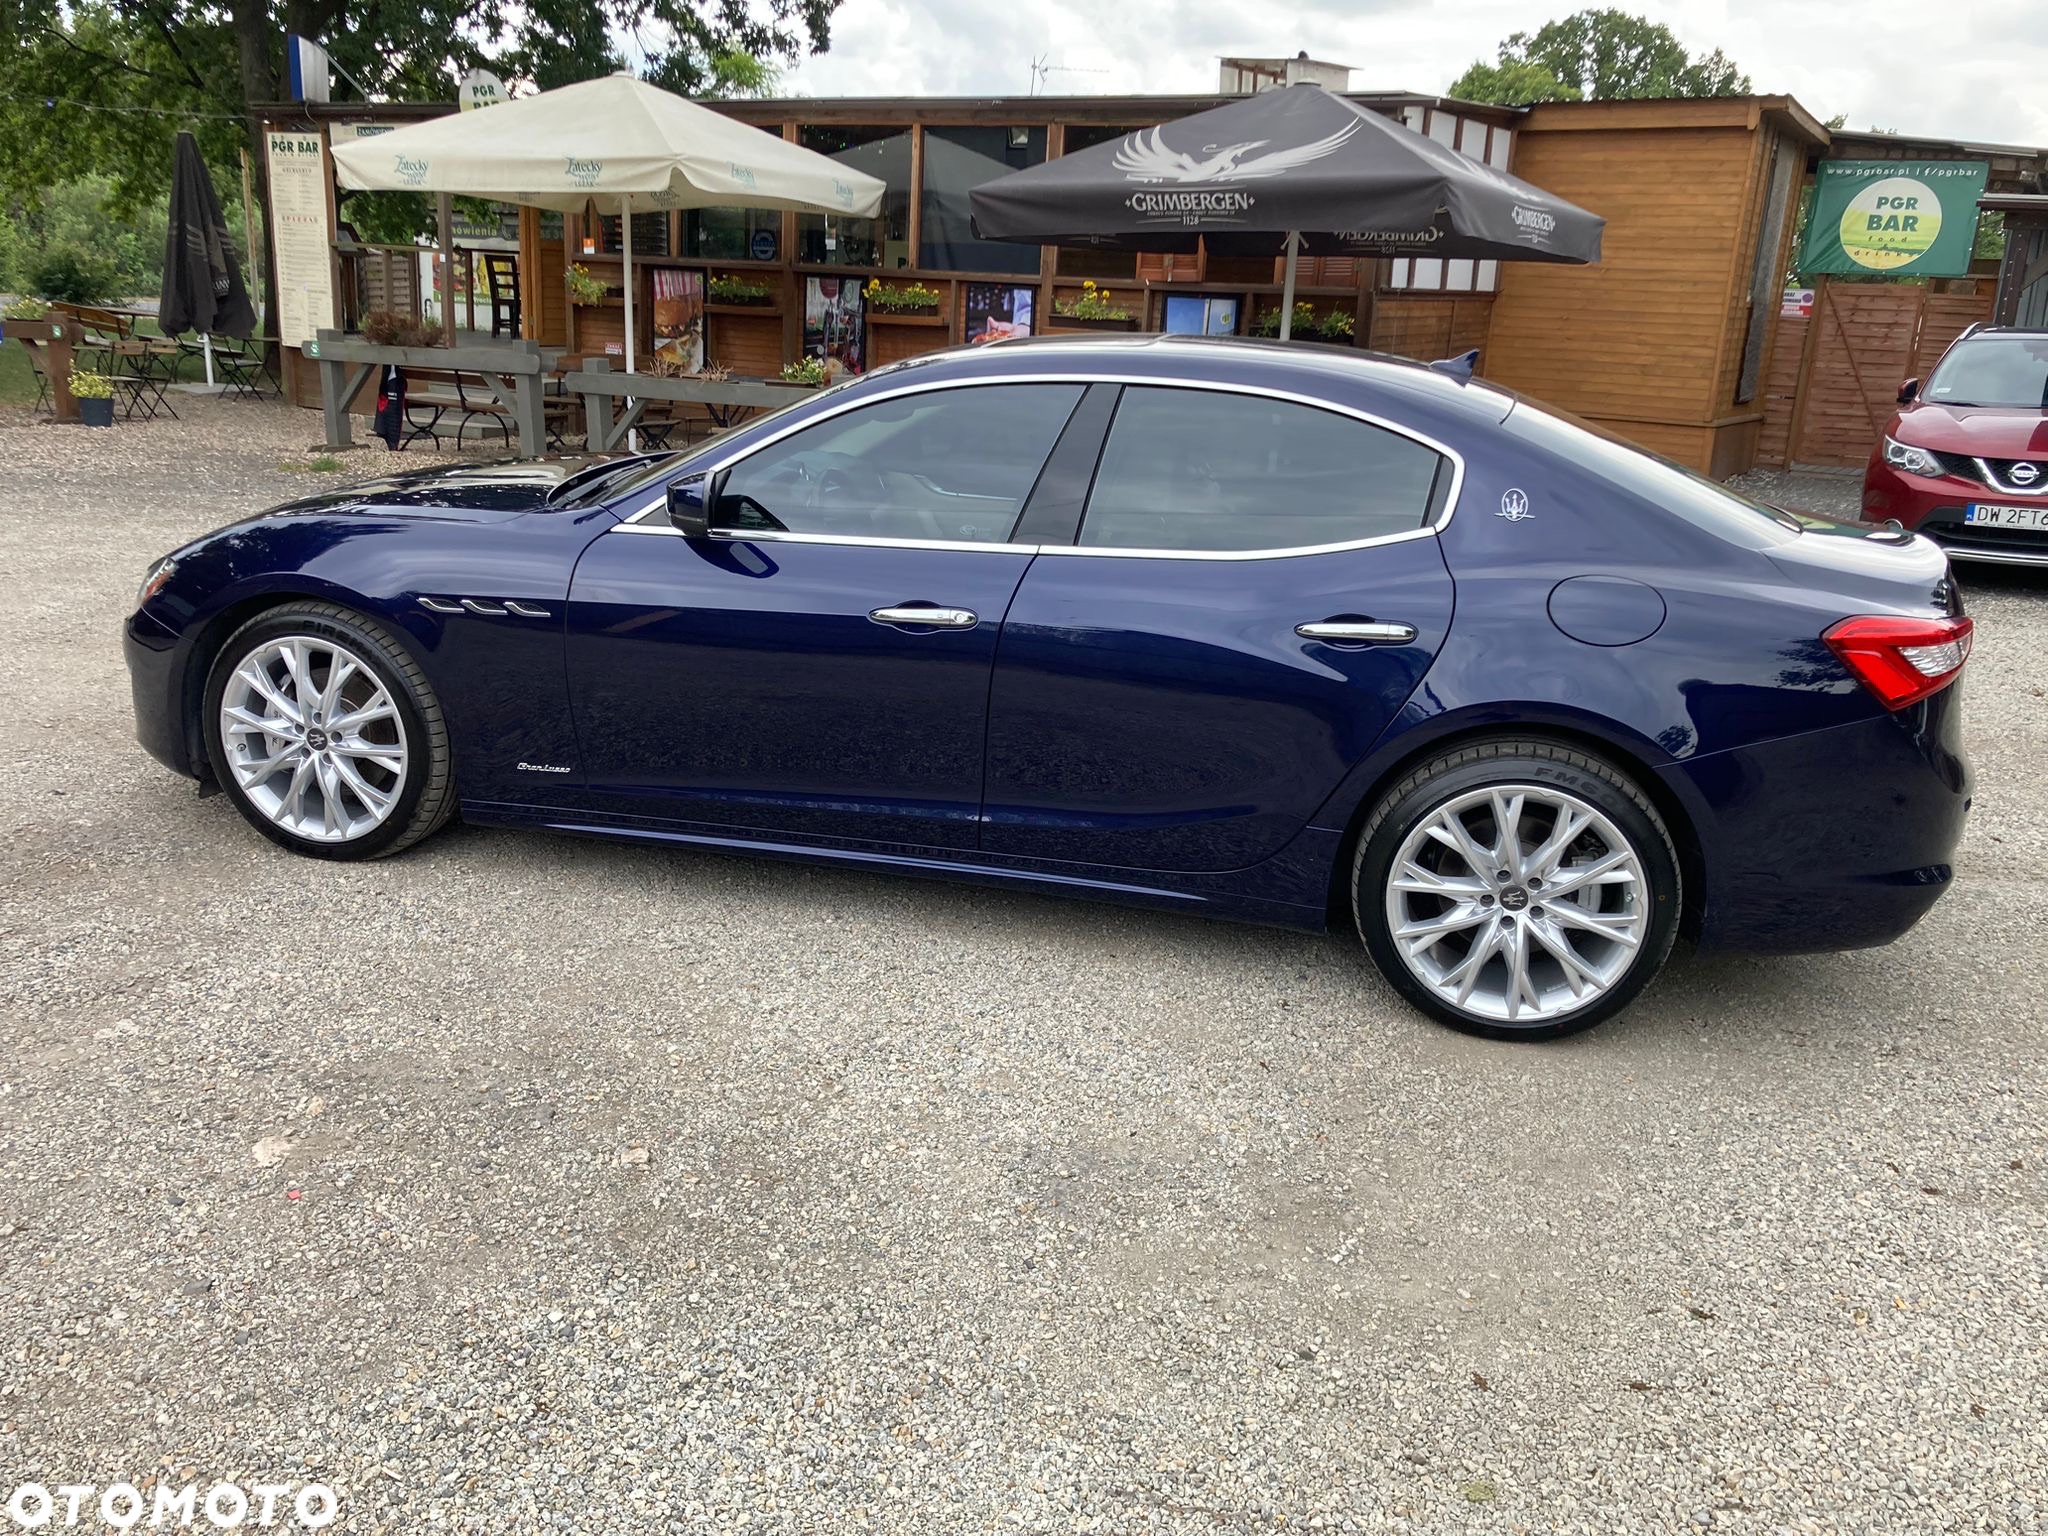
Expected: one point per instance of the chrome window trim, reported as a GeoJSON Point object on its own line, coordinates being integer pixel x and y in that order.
{"type": "Point", "coordinates": [644, 521]}
{"type": "Point", "coordinates": [851, 540]}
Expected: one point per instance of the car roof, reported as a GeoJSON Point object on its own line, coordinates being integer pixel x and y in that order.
{"type": "Point", "coordinates": [1293, 367]}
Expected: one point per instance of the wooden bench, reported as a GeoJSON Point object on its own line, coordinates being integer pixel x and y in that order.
{"type": "Point", "coordinates": [440, 391]}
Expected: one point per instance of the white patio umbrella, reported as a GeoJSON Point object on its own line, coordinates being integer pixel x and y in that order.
{"type": "Point", "coordinates": [612, 140]}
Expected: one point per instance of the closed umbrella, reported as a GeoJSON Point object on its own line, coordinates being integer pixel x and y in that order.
{"type": "Point", "coordinates": [203, 289]}
{"type": "Point", "coordinates": [1290, 170]}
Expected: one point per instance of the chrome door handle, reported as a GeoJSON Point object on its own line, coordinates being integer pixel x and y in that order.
{"type": "Point", "coordinates": [1341, 632]}
{"type": "Point", "coordinates": [926, 618]}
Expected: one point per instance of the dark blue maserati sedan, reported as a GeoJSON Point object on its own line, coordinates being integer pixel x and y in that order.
{"type": "Point", "coordinates": [1272, 632]}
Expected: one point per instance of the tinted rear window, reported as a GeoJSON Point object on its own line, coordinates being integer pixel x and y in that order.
{"type": "Point", "coordinates": [1704, 503]}
{"type": "Point", "coordinates": [1192, 469]}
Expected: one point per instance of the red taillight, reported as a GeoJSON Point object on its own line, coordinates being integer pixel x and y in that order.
{"type": "Point", "coordinates": [1902, 661]}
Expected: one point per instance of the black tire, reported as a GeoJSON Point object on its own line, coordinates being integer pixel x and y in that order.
{"type": "Point", "coordinates": [426, 796]}
{"type": "Point", "coordinates": [1543, 764]}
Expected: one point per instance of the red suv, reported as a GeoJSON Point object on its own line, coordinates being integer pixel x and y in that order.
{"type": "Point", "coordinates": [1964, 459]}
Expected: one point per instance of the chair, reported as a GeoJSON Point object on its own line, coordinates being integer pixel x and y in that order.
{"type": "Point", "coordinates": [35, 366]}
{"type": "Point", "coordinates": [501, 276]}
{"type": "Point", "coordinates": [238, 366]}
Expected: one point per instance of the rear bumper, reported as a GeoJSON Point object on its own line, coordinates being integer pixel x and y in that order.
{"type": "Point", "coordinates": [1936, 508]}
{"type": "Point", "coordinates": [1833, 839]}
{"type": "Point", "coordinates": [155, 680]}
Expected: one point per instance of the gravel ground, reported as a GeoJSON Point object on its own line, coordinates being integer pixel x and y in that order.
{"type": "Point", "coordinates": [524, 1184]}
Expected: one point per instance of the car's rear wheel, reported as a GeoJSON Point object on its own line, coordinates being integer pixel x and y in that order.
{"type": "Point", "coordinates": [326, 735]}
{"type": "Point", "coordinates": [1519, 889]}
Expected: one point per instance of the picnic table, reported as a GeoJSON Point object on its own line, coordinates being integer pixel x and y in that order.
{"type": "Point", "coordinates": [141, 367]}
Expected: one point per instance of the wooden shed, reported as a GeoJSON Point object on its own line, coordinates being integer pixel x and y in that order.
{"type": "Point", "coordinates": [1662, 342]}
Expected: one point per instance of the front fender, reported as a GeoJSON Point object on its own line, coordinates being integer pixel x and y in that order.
{"type": "Point", "coordinates": [496, 671]}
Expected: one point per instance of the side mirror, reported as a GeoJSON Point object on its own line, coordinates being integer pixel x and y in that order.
{"type": "Point", "coordinates": [1909, 391]}
{"type": "Point", "coordinates": [689, 504]}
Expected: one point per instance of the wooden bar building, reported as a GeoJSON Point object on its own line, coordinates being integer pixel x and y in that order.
{"type": "Point", "coordinates": [1664, 341]}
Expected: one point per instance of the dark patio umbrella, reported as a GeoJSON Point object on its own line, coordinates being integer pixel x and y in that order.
{"type": "Point", "coordinates": [203, 288]}
{"type": "Point", "coordinates": [1285, 170]}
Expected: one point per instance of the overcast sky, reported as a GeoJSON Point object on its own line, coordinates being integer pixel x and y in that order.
{"type": "Point", "coordinates": [1963, 69]}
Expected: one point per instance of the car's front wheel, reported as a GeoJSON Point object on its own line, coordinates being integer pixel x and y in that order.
{"type": "Point", "coordinates": [1518, 888]}
{"type": "Point", "coordinates": [325, 733]}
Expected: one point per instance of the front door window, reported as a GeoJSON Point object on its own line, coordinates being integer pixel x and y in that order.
{"type": "Point", "coordinates": [951, 464]}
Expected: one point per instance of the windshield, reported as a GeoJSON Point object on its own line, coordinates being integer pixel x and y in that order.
{"type": "Point", "coordinates": [593, 486]}
{"type": "Point", "coordinates": [1994, 370]}
{"type": "Point", "coordinates": [633, 475]}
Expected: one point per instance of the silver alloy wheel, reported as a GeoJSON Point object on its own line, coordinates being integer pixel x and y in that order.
{"type": "Point", "coordinates": [314, 739]}
{"type": "Point", "coordinates": [1518, 903]}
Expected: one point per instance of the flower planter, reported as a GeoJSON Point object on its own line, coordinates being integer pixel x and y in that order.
{"type": "Point", "coordinates": [907, 320]}
{"type": "Point", "coordinates": [96, 413]}
{"type": "Point", "coordinates": [1096, 323]}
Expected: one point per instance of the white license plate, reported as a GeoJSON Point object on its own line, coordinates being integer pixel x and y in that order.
{"type": "Point", "coordinates": [1983, 515]}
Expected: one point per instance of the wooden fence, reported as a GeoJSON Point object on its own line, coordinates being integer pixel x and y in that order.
{"type": "Point", "coordinates": [1833, 378]}
{"type": "Point", "coordinates": [614, 403]}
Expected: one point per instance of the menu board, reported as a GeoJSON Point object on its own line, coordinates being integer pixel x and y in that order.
{"type": "Point", "coordinates": [300, 237]}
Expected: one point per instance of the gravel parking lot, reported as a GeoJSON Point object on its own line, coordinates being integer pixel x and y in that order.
{"type": "Point", "coordinates": [526, 1184]}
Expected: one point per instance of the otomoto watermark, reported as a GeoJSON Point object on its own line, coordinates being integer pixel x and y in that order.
{"type": "Point", "coordinates": [125, 1507]}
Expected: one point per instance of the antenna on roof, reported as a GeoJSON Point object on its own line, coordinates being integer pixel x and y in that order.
{"type": "Point", "coordinates": [1040, 69]}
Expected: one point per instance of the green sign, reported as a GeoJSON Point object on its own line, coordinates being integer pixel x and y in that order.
{"type": "Point", "coordinates": [1895, 218]}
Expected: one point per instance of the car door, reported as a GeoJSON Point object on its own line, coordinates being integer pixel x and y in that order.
{"type": "Point", "coordinates": [820, 664]}
{"type": "Point", "coordinates": [1255, 591]}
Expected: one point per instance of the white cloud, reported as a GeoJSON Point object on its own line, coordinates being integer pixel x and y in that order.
{"type": "Point", "coordinates": [1967, 69]}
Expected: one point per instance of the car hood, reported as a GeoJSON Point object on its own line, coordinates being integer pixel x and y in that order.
{"type": "Point", "coordinates": [1982, 431]}
{"type": "Point", "coordinates": [474, 493]}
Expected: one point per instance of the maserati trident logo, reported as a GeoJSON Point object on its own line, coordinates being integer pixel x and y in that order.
{"type": "Point", "coordinates": [1514, 506]}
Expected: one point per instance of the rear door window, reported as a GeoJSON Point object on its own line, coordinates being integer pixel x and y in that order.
{"type": "Point", "coordinates": [1208, 471]}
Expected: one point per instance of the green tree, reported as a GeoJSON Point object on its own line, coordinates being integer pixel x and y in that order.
{"type": "Point", "coordinates": [1602, 54]}
{"type": "Point", "coordinates": [100, 87]}
{"type": "Point", "coordinates": [1511, 83]}
{"type": "Point", "coordinates": [74, 216]}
